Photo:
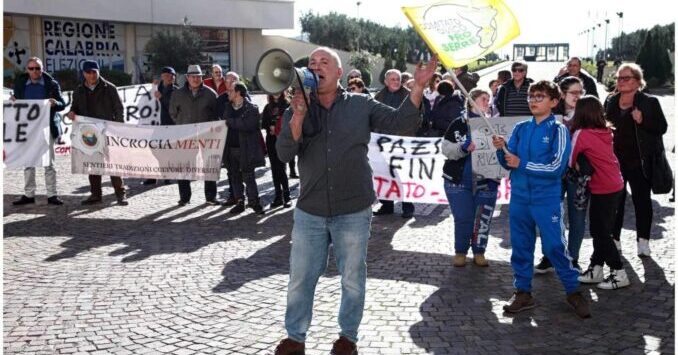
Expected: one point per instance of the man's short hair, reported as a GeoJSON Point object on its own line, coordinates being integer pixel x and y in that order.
{"type": "Point", "coordinates": [574, 58]}
{"type": "Point", "coordinates": [240, 88]}
{"type": "Point", "coordinates": [331, 52]}
{"type": "Point", "coordinates": [519, 64]}
{"type": "Point", "coordinates": [546, 86]}
{"type": "Point", "coordinates": [35, 60]}
{"type": "Point", "coordinates": [391, 72]}
{"type": "Point", "coordinates": [234, 74]}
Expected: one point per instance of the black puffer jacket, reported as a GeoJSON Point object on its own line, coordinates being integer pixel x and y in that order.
{"type": "Point", "coordinates": [445, 110]}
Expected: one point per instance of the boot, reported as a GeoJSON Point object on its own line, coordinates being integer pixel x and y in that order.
{"type": "Point", "coordinates": [256, 206]}
{"type": "Point", "coordinates": [238, 208]}
{"type": "Point", "coordinates": [286, 199]}
{"type": "Point", "coordinates": [277, 201]}
{"type": "Point", "coordinates": [120, 196]}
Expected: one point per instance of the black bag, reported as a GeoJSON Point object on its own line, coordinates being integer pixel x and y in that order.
{"type": "Point", "coordinates": [662, 175]}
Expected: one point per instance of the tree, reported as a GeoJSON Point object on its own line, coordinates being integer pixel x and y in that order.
{"type": "Point", "coordinates": [654, 58]}
{"type": "Point", "coordinates": [178, 51]}
{"type": "Point", "coordinates": [364, 62]}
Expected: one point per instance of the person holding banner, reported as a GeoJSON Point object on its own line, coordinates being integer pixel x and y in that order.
{"type": "Point", "coordinates": [537, 157]}
{"type": "Point", "coordinates": [331, 134]}
{"type": "Point", "coordinates": [393, 94]}
{"type": "Point", "coordinates": [194, 103]}
{"type": "Point", "coordinates": [472, 203]}
{"type": "Point", "coordinates": [98, 98]}
{"type": "Point", "coordinates": [163, 94]}
{"type": "Point", "coordinates": [38, 85]}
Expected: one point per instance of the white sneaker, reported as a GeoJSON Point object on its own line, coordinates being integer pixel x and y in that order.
{"type": "Point", "coordinates": [593, 275]}
{"type": "Point", "coordinates": [617, 243]}
{"type": "Point", "coordinates": [616, 279]}
{"type": "Point", "coordinates": [643, 247]}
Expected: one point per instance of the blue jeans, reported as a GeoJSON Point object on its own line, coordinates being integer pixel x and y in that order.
{"type": "Point", "coordinates": [577, 223]}
{"type": "Point", "coordinates": [311, 238]}
{"type": "Point", "coordinates": [472, 215]}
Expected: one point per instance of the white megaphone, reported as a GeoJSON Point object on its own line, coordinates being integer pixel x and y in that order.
{"type": "Point", "coordinates": [276, 72]}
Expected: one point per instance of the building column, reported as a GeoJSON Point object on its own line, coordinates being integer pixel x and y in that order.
{"type": "Point", "coordinates": [36, 41]}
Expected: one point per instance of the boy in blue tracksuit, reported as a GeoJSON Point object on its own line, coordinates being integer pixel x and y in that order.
{"type": "Point", "coordinates": [537, 157]}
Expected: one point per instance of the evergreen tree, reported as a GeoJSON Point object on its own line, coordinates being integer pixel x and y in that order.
{"type": "Point", "coordinates": [178, 51]}
{"type": "Point", "coordinates": [654, 59]}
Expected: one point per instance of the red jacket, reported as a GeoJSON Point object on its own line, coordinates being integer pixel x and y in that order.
{"type": "Point", "coordinates": [596, 145]}
{"type": "Point", "coordinates": [220, 90]}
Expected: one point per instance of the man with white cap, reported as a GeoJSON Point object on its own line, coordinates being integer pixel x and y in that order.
{"type": "Point", "coordinates": [194, 103]}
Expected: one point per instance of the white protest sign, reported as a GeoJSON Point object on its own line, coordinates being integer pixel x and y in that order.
{"type": "Point", "coordinates": [139, 107]}
{"type": "Point", "coordinates": [407, 168]}
{"type": "Point", "coordinates": [26, 133]}
{"type": "Point", "coordinates": [183, 152]}
{"type": "Point", "coordinates": [484, 157]}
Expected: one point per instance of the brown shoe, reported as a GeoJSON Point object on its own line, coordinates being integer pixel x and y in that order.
{"type": "Point", "coordinates": [91, 200]}
{"type": "Point", "coordinates": [581, 306]}
{"type": "Point", "coordinates": [459, 260]}
{"type": "Point", "coordinates": [479, 260]}
{"type": "Point", "coordinates": [289, 347]}
{"type": "Point", "coordinates": [343, 346]}
{"type": "Point", "coordinates": [521, 301]}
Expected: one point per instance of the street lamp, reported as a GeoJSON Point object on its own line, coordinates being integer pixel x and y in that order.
{"type": "Point", "coordinates": [359, 30]}
{"type": "Point", "coordinates": [593, 42]}
{"type": "Point", "coordinates": [607, 22]}
{"type": "Point", "coordinates": [621, 33]}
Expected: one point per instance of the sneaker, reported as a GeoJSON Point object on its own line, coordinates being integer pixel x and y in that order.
{"type": "Point", "coordinates": [544, 266]}
{"type": "Point", "coordinates": [643, 247]}
{"type": "Point", "coordinates": [479, 260]}
{"type": "Point", "coordinates": [54, 200]}
{"type": "Point", "coordinates": [238, 208]}
{"type": "Point", "coordinates": [290, 347]}
{"type": "Point", "coordinates": [91, 200]}
{"type": "Point", "coordinates": [616, 279]}
{"type": "Point", "coordinates": [520, 301]}
{"type": "Point", "coordinates": [617, 243]}
{"type": "Point", "coordinates": [24, 200]}
{"type": "Point", "coordinates": [343, 346]}
{"type": "Point", "coordinates": [459, 260]}
{"type": "Point", "coordinates": [581, 306]}
{"type": "Point", "coordinates": [593, 275]}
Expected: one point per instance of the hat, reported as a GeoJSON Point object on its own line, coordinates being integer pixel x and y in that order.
{"type": "Point", "coordinates": [194, 69]}
{"type": "Point", "coordinates": [168, 70]}
{"type": "Point", "coordinates": [90, 65]}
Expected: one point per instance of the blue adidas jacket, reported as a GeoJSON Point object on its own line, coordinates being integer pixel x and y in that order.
{"type": "Point", "coordinates": [544, 150]}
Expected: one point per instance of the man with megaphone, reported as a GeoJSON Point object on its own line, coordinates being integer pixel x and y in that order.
{"type": "Point", "coordinates": [330, 131]}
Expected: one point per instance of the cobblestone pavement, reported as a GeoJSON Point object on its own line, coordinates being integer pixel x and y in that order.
{"type": "Point", "coordinates": [153, 277]}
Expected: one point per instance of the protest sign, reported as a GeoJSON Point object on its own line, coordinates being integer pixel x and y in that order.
{"type": "Point", "coordinates": [459, 32]}
{"type": "Point", "coordinates": [484, 157]}
{"type": "Point", "coordinates": [139, 107]}
{"type": "Point", "coordinates": [182, 152]}
{"type": "Point", "coordinates": [407, 168]}
{"type": "Point", "coordinates": [26, 133]}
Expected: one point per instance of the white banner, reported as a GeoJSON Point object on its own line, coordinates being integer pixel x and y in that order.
{"type": "Point", "coordinates": [410, 169]}
{"type": "Point", "coordinates": [26, 133]}
{"type": "Point", "coordinates": [139, 107]}
{"type": "Point", "coordinates": [183, 152]}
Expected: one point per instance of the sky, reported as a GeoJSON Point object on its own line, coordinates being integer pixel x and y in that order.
{"type": "Point", "coordinates": [545, 21]}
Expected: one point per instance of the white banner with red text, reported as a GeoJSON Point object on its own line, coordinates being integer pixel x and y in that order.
{"type": "Point", "coordinates": [182, 152]}
{"type": "Point", "coordinates": [25, 133]}
{"type": "Point", "coordinates": [410, 169]}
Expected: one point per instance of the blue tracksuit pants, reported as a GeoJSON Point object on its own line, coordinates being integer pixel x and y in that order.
{"type": "Point", "coordinates": [524, 219]}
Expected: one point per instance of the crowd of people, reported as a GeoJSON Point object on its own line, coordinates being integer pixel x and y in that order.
{"type": "Point", "coordinates": [575, 152]}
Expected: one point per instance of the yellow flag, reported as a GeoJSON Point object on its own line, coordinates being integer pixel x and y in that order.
{"type": "Point", "coordinates": [461, 31]}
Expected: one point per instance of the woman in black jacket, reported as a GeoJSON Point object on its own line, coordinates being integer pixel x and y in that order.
{"type": "Point", "coordinates": [270, 121]}
{"type": "Point", "coordinates": [448, 105]}
{"type": "Point", "coordinates": [640, 124]}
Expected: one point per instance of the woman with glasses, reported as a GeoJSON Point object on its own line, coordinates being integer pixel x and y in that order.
{"type": "Point", "coordinates": [640, 124]}
{"type": "Point", "coordinates": [572, 89]}
{"type": "Point", "coordinates": [357, 86]}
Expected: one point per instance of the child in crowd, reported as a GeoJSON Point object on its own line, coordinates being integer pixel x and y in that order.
{"type": "Point", "coordinates": [593, 138]}
{"type": "Point", "coordinates": [472, 204]}
{"type": "Point", "coordinates": [537, 157]}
